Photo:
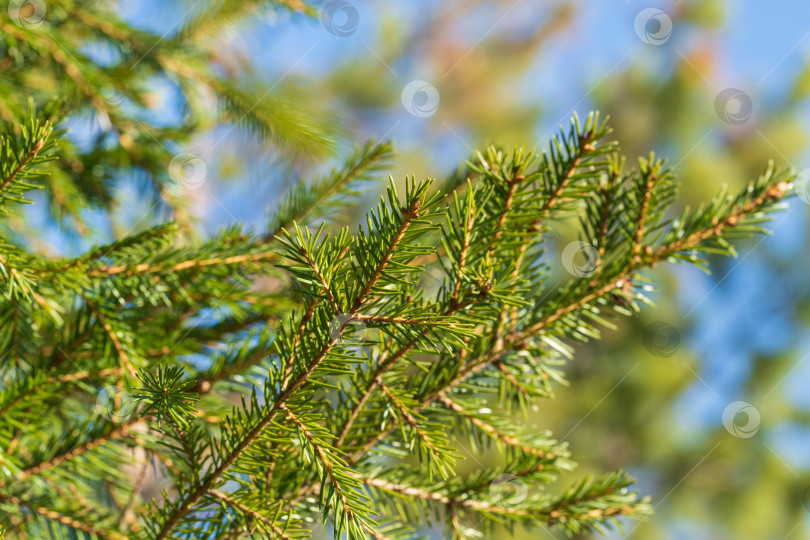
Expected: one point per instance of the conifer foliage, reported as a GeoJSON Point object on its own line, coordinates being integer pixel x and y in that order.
{"type": "Point", "coordinates": [105, 73]}
{"type": "Point", "coordinates": [338, 392]}
{"type": "Point", "coordinates": [309, 379]}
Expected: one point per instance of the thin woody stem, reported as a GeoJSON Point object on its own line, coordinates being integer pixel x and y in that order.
{"type": "Point", "coordinates": [409, 418]}
{"type": "Point", "coordinates": [113, 338]}
{"type": "Point", "coordinates": [29, 157]}
{"type": "Point", "coordinates": [280, 402]}
{"type": "Point", "coordinates": [462, 256]}
{"type": "Point", "coordinates": [61, 518]}
{"type": "Point", "coordinates": [492, 431]}
{"type": "Point", "coordinates": [646, 188]}
{"type": "Point", "coordinates": [250, 512]}
{"type": "Point", "coordinates": [321, 280]}
{"type": "Point", "coordinates": [518, 339]}
{"type": "Point", "coordinates": [208, 481]}
{"type": "Point", "coordinates": [148, 268]}
{"type": "Point", "coordinates": [409, 215]}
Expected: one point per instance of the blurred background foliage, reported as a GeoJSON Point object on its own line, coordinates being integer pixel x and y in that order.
{"type": "Point", "coordinates": [507, 72]}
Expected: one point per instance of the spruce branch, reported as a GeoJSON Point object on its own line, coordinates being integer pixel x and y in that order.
{"type": "Point", "coordinates": [761, 197]}
{"type": "Point", "coordinates": [449, 325]}
{"type": "Point", "coordinates": [351, 512]}
{"type": "Point", "coordinates": [112, 334]}
{"type": "Point", "coordinates": [256, 516]}
{"type": "Point", "coordinates": [492, 431]}
{"type": "Point", "coordinates": [60, 518]}
{"type": "Point", "coordinates": [432, 446]}
{"type": "Point", "coordinates": [331, 194]}
{"type": "Point", "coordinates": [416, 197]}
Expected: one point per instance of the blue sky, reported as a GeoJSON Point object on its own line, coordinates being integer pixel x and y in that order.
{"type": "Point", "coordinates": [763, 45]}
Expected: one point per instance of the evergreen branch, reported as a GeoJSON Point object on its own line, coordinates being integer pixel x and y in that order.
{"type": "Point", "coordinates": [122, 430]}
{"type": "Point", "coordinates": [288, 367]}
{"type": "Point", "coordinates": [586, 506]}
{"type": "Point", "coordinates": [467, 227]}
{"type": "Point", "coordinates": [276, 117]}
{"type": "Point", "coordinates": [409, 214]}
{"type": "Point", "coordinates": [380, 319]}
{"type": "Point", "coordinates": [684, 243]}
{"type": "Point", "coordinates": [764, 193]}
{"type": "Point", "coordinates": [79, 375]}
{"type": "Point", "coordinates": [217, 18]}
{"type": "Point", "coordinates": [512, 185]}
{"type": "Point", "coordinates": [350, 513]}
{"type": "Point", "coordinates": [333, 190]}
{"type": "Point", "coordinates": [185, 504]}
{"type": "Point", "coordinates": [112, 334]}
{"type": "Point", "coordinates": [583, 507]}
{"type": "Point", "coordinates": [599, 217]}
{"type": "Point", "coordinates": [648, 178]}
{"type": "Point", "coordinates": [250, 512]}
{"type": "Point", "coordinates": [320, 403]}
{"type": "Point", "coordinates": [581, 146]}
{"type": "Point", "coordinates": [168, 395]}
{"type": "Point", "coordinates": [22, 163]}
{"type": "Point", "coordinates": [20, 157]}
{"type": "Point", "coordinates": [512, 379]}
{"type": "Point", "coordinates": [416, 199]}
{"type": "Point", "coordinates": [446, 500]}
{"type": "Point", "coordinates": [432, 445]}
{"type": "Point", "coordinates": [61, 518]}
{"type": "Point", "coordinates": [385, 364]}
{"type": "Point", "coordinates": [191, 264]}
{"type": "Point", "coordinates": [40, 387]}
{"type": "Point", "coordinates": [492, 431]}
{"type": "Point", "coordinates": [323, 283]}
